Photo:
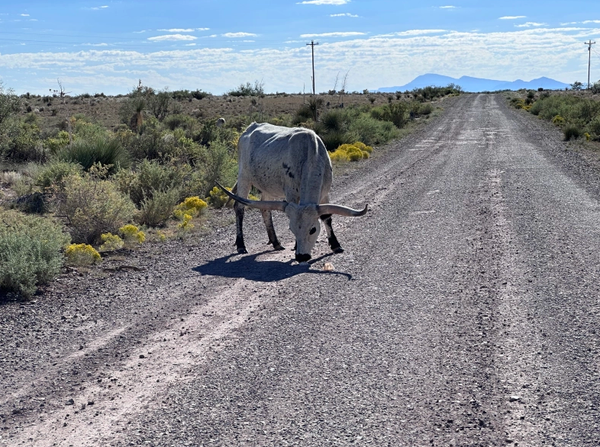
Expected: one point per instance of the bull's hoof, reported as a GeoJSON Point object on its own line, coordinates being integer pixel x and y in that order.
{"type": "Point", "coordinates": [337, 249]}
{"type": "Point", "coordinates": [278, 247]}
{"type": "Point", "coordinates": [242, 250]}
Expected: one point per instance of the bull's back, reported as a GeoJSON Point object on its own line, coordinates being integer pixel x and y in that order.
{"type": "Point", "coordinates": [277, 160]}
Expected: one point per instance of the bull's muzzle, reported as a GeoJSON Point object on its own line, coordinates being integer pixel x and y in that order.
{"type": "Point", "coordinates": [302, 257]}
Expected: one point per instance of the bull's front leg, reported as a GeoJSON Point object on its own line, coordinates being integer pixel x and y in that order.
{"type": "Point", "coordinates": [333, 242]}
{"type": "Point", "coordinates": [268, 219]}
{"type": "Point", "coordinates": [239, 219]}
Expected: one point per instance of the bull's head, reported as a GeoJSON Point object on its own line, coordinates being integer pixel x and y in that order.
{"type": "Point", "coordinates": [304, 218]}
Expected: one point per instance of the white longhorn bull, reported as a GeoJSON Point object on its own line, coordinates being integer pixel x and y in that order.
{"type": "Point", "coordinates": [290, 164]}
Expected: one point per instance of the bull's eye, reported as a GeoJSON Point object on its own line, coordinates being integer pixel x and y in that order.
{"type": "Point", "coordinates": [313, 230]}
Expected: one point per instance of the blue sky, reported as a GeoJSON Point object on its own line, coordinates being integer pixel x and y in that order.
{"type": "Point", "coordinates": [106, 46]}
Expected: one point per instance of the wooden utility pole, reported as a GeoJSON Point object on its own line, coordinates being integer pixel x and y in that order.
{"type": "Point", "coordinates": [312, 44]}
{"type": "Point", "coordinates": [589, 44]}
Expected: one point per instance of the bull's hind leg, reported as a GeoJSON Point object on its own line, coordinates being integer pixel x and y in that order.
{"type": "Point", "coordinates": [333, 242]}
{"type": "Point", "coordinates": [268, 219]}
{"type": "Point", "coordinates": [239, 219]}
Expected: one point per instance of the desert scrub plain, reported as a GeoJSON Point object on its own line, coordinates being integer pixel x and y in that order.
{"type": "Point", "coordinates": [89, 177]}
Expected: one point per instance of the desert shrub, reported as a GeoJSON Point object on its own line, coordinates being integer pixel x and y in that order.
{"type": "Point", "coordinates": [20, 141]}
{"type": "Point", "coordinates": [52, 174]}
{"type": "Point", "coordinates": [60, 141]}
{"type": "Point", "coordinates": [132, 234]}
{"type": "Point", "coordinates": [83, 129]}
{"type": "Point", "coordinates": [111, 242]}
{"type": "Point", "coordinates": [216, 162]}
{"type": "Point", "coordinates": [82, 255]}
{"type": "Point", "coordinates": [150, 144]}
{"type": "Point", "coordinates": [150, 177]}
{"type": "Point", "coordinates": [393, 112]}
{"type": "Point", "coordinates": [158, 208]}
{"type": "Point", "coordinates": [333, 139]}
{"type": "Point", "coordinates": [30, 251]}
{"type": "Point", "coordinates": [193, 206]}
{"type": "Point", "coordinates": [217, 198]}
{"type": "Point", "coordinates": [158, 103]}
{"type": "Point", "coordinates": [93, 206]}
{"type": "Point", "coordinates": [339, 156]}
{"type": "Point", "coordinates": [10, 104]}
{"type": "Point", "coordinates": [248, 89]}
{"type": "Point", "coordinates": [351, 152]}
{"type": "Point", "coordinates": [572, 132]}
{"type": "Point", "coordinates": [186, 223]}
{"type": "Point", "coordinates": [425, 109]}
{"type": "Point", "coordinates": [558, 120]}
{"type": "Point", "coordinates": [186, 122]}
{"type": "Point", "coordinates": [372, 131]}
{"type": "Point", "coordinates": [104, 151]}
{"type": "Point", "coordinates": [594, 127]}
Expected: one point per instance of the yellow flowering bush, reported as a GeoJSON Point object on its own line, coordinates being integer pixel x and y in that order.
{"type": "Point", "coordinates": [131, 234]}
{"type": "Point", "coordinates": [558, 120]}
{"type": "Point", "coordinates": [191, 205]}
{"type": "Point", "coordinates": [82, 254]}
{"type": "Point", "coordinates": [111, 242]}
{"type": "Point", "coordinates": [217, 198]}
{"type": "Point", "coordinates": [351, 152]}
{"type": "Point", "coordinates": [186, 223]}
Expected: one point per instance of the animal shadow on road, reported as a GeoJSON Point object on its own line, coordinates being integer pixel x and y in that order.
{"type": "Point", "coordinates": [251, 268]}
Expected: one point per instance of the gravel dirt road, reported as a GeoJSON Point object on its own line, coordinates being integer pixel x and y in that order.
{"type": "Point", "coordinates": [465, 311]}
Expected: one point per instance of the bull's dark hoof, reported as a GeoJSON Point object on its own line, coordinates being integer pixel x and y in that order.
{"type": "Point", "coordinates": [242, 251]}
{"type": "Point", "coordinates": [337, 249]}
{"type": "Point", "coordinates": [278, 247]}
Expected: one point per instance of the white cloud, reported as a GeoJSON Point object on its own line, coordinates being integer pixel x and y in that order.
{"type": "Point", "coordinates": [376, 61]}
{"type": "Point", "coordinates": [178, 30]}
{"type": "Point", "coordinates": [512, 17]}
{"type": "Point", "coordinates": [336, 34]}
{"type": "Point", "coordinates": [530, 25]}
{"type": "Point", "coordinates": [24, 15]}
{"type": "Point", "coordinates": [239, 35]}
{"type": "Point", "coordinates": [324, 2]}
{"type": "Point", "coordinates": [414, 32]}
{"type": "Point", "coordinates": [447, 7]}
{"type": "Point", "coordinates": [98, 8]}
{"type": "Point", "coordinates": [345, 14]}
{"type": "Point", "coordinates": [172, 37]}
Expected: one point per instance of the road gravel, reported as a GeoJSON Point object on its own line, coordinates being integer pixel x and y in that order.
{"type": "Point", "coordinates": [463, 312]}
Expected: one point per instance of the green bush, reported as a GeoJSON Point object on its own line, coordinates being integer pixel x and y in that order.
{"type": "Point", "coordinates": [104, 151]}
{"type": "Point", "coordinates": [572, 132]}
{"type": "Point", "coordinates": [215, 163]}
{"type": "Point", "coordinates": [371, 131]}
{"type": "Point", "coordinates": [158, 208]}
{"type": "Point", "coordinates": [30, 251]}
{"type": "Point", "coordinates": [20, 141]}
{"type": "Point", "coordinates": [150, 177]}
{"type": "Point", "coordinates": [53, 174]}
{"type": "Point", "coordinates": [248, 89]}
{"type": "Point", "coordinates": [394, 112]}
{"type": "Point", "coordinates": [93, 206]}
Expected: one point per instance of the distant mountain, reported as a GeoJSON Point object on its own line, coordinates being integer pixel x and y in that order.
{"type": "Point", "coordinates": [469, 84]}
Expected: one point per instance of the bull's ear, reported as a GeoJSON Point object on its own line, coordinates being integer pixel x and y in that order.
{"type": "Point", "coordinates": [260, 204]}
{"type": "Point", "coordinates": [328, 208]}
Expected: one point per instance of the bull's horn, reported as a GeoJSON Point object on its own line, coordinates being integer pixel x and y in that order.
{"type": "Point", "coordinates": [260, 204]}
{"type": "Point", "coordinates": [327, 208]}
